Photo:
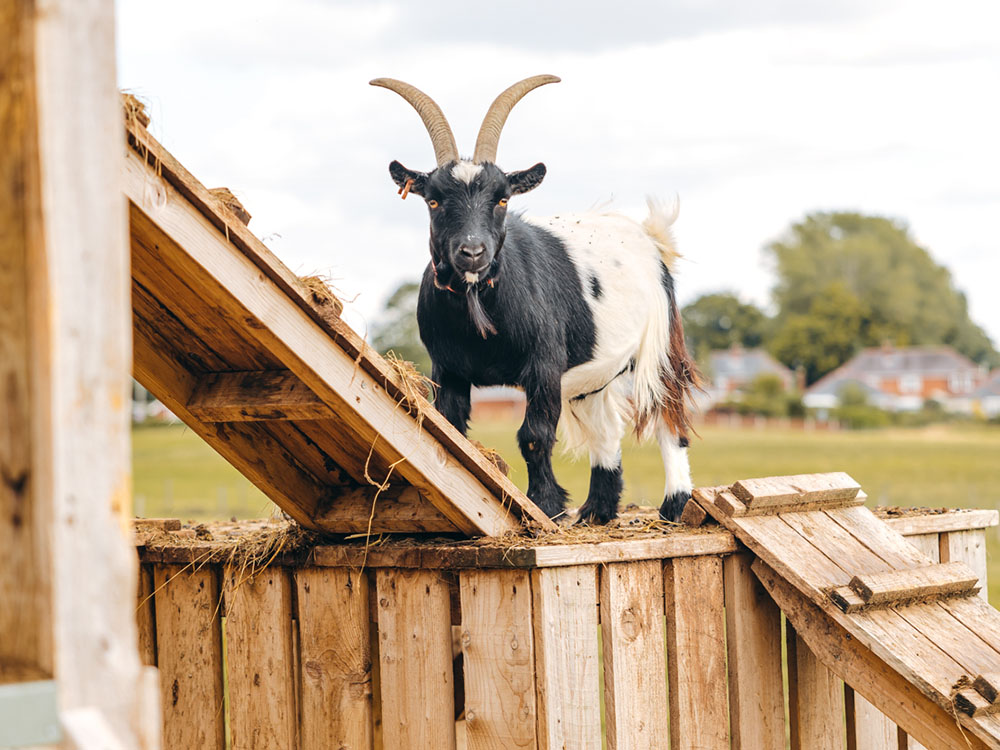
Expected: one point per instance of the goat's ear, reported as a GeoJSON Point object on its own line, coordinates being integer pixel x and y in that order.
{"type": "Point", "coordinates": [527, 179]}
{"type": "Point", "coordinates": [401, 175]}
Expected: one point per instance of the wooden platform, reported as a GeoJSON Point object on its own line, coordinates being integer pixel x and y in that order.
{"type": "Point", "coordinates": [915, 641]}
{"type": "Point", "coordinates": [261, 367]}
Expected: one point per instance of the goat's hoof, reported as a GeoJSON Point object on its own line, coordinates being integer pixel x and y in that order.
{"type": "Point", "coordinates": [594, 516]}
{"type": "Point", "coordinates": [673, 506]}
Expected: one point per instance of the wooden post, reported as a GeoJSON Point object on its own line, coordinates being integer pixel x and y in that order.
{"type": "Point", "coordinates": [259, 655]}
{"type": "Point", "coordinates": [867, 727]}
{"type": "Point", "coordinates": [753, 639]}
{"type": "Point", "coordinates": [696, 653]}
{"type": "Point", "coordinates": [968, 547]}
{"type": "Point", "coordinates": [67, 573]}
{"type": "Point", "coordinates": [145, 616]}
{"type": "Point", "coordinates": [815, 699]}
{"type": "Point", "coordinates": [415, 659]}
{"type": "Point", "coordinates": [335, 654]}
{"type": "Point", "coordinates": [567, 667]}
{"type": "Point", "coordinates": [189, 633]}
{"type": "Point", "coordinates": [499, 659]}
{"type": "Point", "coordinates": [635, 680]}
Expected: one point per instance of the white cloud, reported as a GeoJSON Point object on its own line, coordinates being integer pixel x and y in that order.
{"type": "Point", "coordinates": [879, 107]}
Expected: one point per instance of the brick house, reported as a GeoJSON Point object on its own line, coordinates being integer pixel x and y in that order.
{"type": "Point", "coordinates": [732, 369]}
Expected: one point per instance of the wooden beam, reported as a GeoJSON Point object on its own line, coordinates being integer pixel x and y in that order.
{"type": "Point", "coordinates": [397, 509]}
{"type": "Point", "coordinates": [254, 397]}
{"type": "Point", "coordinates": [796, 491]}
{"type": "Point", "coordinates": [194, 248]}
{"type": "Point", "coordinates": [896, 586]}
{"type": "Point", "coordinates": [883, 686]}
{"type": "Point", "coordinates": [936, 523]}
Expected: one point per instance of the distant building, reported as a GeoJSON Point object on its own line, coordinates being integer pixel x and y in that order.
{"type": "Point", "coordinates": [498, 402]}
{"type": "Point", "coordinates": [901, 379]}
{"type": "Point", "coordinates": [985, 399]}
{"type": "Point", "coordinates": [735, 368]}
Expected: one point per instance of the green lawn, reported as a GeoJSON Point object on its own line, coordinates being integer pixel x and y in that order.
{"type": "Point", "coordinates": [176, 474]}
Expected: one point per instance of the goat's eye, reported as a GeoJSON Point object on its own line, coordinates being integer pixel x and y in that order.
{"type": "Point", "coordinates": [433, 203]}
{"type": "Point", "coordinates": [502, 203]}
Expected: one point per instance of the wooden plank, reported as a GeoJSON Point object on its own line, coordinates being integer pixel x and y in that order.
{"type": "Point", "coordinates": [254, 396]}
{"type": "Point", "coordinates": [867, 727]}
{"type": "Point", "coordinates": [675, 544]}
{"type": "Point", "coordinates": [567, 669]}
{"type": "Point", "coordinates": [753, 641]}
{"type": "Point", "coordinates": [931, 582]}
{"type": "Point", "coordinates": [145, 616]}
{"type": "Point", "coordinates": [936, 523]}
{"type": "Point", "coordinates": [209, 265]}
{"type": "Point", "coordinates": [397, 509]}
{"type": "Point", "coordinates": [857, 665]}
{"type": "Point", "coordinates": [259, 656]}
{"type": "Point", "coordinates": [335, 654]}
{"type": "Point", "coordinates": [499, 659]}
{"type": "Point", "coordinates": [189, 656]}
{"type": "Point", "coordinates": [968, 547]}
{"type": "Point", "coordinates": [635, 680]}
{"type": "Point", "coordinates": [803, 490]}
{"type": "Point", "coordinates": [696, 653]}
{"type": "Point", "coordinates": [927, 544]}
{"type": "Point", "coordinates": [415, 661]}
{"type": "Point", "coordinates": [815, 699]}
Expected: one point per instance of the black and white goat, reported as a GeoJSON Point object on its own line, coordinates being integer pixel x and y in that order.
{"type": "Point", "coordinates": [579, 310]}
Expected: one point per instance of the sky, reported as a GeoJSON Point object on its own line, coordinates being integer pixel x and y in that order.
{"type": "Point", "coordinates": [751, 114]}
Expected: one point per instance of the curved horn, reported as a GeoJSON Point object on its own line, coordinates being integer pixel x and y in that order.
{"type": "Point", "coordinates": [437, 126]}
{"type": "Point", "coordinates": [489, 133]}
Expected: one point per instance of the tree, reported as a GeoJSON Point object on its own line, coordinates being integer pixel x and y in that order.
{"type": "Point", "coordinates": [717, 321]}
{"type": "Point", "coordinates": [396, 329]}
{"type": "Point", "coordinates": [890, 289]}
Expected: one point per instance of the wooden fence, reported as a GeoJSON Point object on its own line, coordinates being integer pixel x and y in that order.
{"type": "Point", "coordinates": [624, 643]}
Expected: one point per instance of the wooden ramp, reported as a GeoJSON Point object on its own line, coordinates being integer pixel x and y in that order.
{"type": "Point", "coordinates": [262, 368]}
{"type": "Point", "coordinates": [908, 634]}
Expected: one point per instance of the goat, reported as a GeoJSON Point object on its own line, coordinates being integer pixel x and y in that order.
{"type": "Point", "coordinates": [578, 310]}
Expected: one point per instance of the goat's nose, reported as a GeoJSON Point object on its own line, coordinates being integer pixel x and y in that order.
{"type": "Point", "coordinates": [472, 251]}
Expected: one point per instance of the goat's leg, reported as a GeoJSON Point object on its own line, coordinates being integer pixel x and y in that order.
{"type": "Point", "coordinates": [601, 420]}
{"type": "Point", "coordinates": [452, 397]}
{"type": "Point", "coordinates": [673, 448]}
{"type": "Point", "coordinates": [536, 438]}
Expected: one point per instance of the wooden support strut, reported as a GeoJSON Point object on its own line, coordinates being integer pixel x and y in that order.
{"type": "Point", "coordinates": [896, 587]}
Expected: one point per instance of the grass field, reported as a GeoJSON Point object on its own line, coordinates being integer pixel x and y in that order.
{"type": "Point", "coordinates": [176, 474]}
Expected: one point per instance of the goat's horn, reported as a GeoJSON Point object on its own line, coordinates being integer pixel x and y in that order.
{"type": "Point", "coordinates": [489, 133]}
{"type": "Point", "coordinates": [437, 126]}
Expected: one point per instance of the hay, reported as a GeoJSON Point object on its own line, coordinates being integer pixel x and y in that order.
{"type": "Point", "coordinates": [135, 109]}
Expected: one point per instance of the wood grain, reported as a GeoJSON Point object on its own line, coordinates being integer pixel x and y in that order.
{"type": "Point", "coordinates": [696, 653]}
{"type": "Point", "coordinates": [567, 668]}
{"type": "Point", "coordinates": [635, 680]}
{"type": "Point", "coordinates": [499, 659]}
{"type": "Point", "coordinates": [189, 656]}
{"type": "Point", "coordinates": [415, 660]}
{"type": "Point", "coordinates": [254, 396]}
{"type": "Point", "coordinates": [145, 616]}
{"type": "Point", "coordinates": [968, 547]}
{"type": "Point", "coordinates": [335, 658]}
{"type": "Point", "coordinates": [259, 656]}
{"type": "Point", "coordinates": [932, 581]}
{"type": "Point", "coordinates": [753, 640]}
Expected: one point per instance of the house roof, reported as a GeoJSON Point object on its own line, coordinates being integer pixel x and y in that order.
{"type": "Point", "coordinates": [746, 364]}
{"type": "Point", "coordinates": [263, 369]}
{"type": "Point", "coordinates": [991, 386]}
{"type": "Point", "coordinates": [889, 362]}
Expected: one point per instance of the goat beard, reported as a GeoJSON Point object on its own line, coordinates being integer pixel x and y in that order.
{"type": "Point", "coordinates": [478, 315]}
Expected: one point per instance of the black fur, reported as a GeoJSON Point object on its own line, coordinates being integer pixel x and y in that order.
{"type": "Point", "coordinates": [602, 501]}
{"type": "Point", "coordinates": [524, 322]}
{"type": "Point", "coordinates": [673, 505]}
{"type": "Point", "coordinates": [595, 287]}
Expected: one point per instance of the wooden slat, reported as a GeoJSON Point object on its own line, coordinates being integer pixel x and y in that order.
{"type": "Point", "coordinates": [898, 586]}
{"type": "Point", "coordinates": [189, 656]}
{"type": "Point", "coordinates": [867, 727]}
{"type": "Point", "coordinates": [567, 667]}
{"type": "Point", "coordinates": [254, 396]}
{"type": "Point", "coordinates": [801, 491]}
{"type": "Point", "coordinates": [415, 660]}
{"type": "Point", "coordinates": [753, 641]}
{"type": "Point", "coordinates": [145, 616]}
{"type": "Point", "coordinates": [936, 523]}
{"type": "Point", "coordinates": [635, 684]}
{"type": "Point", "coordinates": [968, 547]}
{"type": "Point", "coordinates": [927, 544]}
{"type": "Point", "coordinates": [860, 667]}
{"type": "Point", "coordinates": [815, 699]}
{"type": "Point", "coordinates": [696, 653]}
{"type": "Point", "coordinates": [335, 658]}
{"type": "Point", "coordinates": [499, 659]}
{"type": "Point", "coordinates": [398, 509]}
{"type": "Point", "coordinates": [259, 656]}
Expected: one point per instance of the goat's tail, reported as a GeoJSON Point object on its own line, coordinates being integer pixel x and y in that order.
{"type": "Point", "coordinates": [659, 225]}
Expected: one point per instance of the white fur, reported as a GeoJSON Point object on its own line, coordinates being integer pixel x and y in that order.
{"type": "Point", "coordinates": [471, 278]}
{"type": "Point", "coordinates": [632, 322]}
{"type": "Point", "coordinates": [466, 171]}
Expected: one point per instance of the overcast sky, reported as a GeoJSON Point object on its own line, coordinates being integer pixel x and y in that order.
{"type": "Point", "coordinates": [752, 113]}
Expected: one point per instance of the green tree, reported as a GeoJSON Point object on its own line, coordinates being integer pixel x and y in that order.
{"type": "Point", "coordinates": [717, 321]}
{"type": "Point", "coordinates": [891, 287]}
{"type": "Point", "coordinates": [396, 329]}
